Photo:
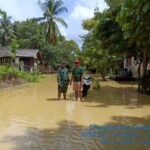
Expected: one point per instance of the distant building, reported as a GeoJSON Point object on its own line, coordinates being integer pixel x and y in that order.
{"type": "Point", "coordinates": [26, 59]}
{"type": "Point", "coordinates": [131, 65]}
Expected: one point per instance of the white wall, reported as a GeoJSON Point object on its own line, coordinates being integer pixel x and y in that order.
{"type": "Point", "coordinates": [134, 67]}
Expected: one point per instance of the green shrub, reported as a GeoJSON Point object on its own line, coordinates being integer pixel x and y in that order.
{"type": "Point", "coordinates": [96, 84]}
{"type": "Point", "coordinates": [8, 73]}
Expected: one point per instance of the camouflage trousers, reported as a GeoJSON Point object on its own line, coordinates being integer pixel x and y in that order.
{"type": "Point", "coordinates": [62, 88]}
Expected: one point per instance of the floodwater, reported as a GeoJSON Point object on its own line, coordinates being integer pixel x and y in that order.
{"type": "Point", "coordinates": [31, 118]}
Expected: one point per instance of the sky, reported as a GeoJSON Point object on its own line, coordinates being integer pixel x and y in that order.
{"type": "Point", "coordinates": [78, 10]}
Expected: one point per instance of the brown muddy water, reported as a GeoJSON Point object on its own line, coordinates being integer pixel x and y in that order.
{"type": "Point", "coordinates": [31, 118]}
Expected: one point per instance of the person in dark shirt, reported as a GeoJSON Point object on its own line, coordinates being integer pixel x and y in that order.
{"type": "Point", "coordinates": [77, 74]}
{"type": "Point", "coordinates": [63, 80]}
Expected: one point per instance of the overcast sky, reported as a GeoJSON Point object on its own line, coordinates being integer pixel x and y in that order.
{"type": "Point", "coordinates": [78, 10]}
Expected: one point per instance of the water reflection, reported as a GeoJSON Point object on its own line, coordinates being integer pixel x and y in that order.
{"type": "Point", "coordinates": [33, 118]}
{"type": "Point", "coordinates": [113, 93]}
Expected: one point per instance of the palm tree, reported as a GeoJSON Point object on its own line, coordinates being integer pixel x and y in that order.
{"type": "Point", "coordinates": [52, 8]}
{"type": "Point", "coordinates": [6, 29]}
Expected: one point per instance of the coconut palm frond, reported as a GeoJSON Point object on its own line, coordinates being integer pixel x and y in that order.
{"type": "Point", "coordinates": [6, 29]}
{"type": "Point", "coordinates": [58, 4]}
{"type": "Point", "coordinates": [2, 13]}
{"type": "Point", "coordinates": [51, 8]}
{"type": "Point", "coordinates": [61, 10]}
{"type": "Point", "coordinates": [42, 5]}
{"type": "Point", "coordinates": [47, 13]}
{"type": "Point", "coordinates": [58, 31]}
{"type": "Point", "coordinates": [60, 20]}
{"type": "Point", "coordinates": [50, 5]}
{"type": "Point", "coordinates": [39, 19]}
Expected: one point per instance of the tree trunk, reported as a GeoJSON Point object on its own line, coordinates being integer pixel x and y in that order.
{"type": "Point", "coordinates": [97, 70]}
{"type": "Point", "coordinates": [145, 61]}
{"type": "Point", "coordinates": [139, 77]}
{"type": "Point", "coordinates": [103, 74]}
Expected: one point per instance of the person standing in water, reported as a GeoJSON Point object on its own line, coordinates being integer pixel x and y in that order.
{"type": "Point", "coordinates": [77, 74]}
{"type": "Point", "coordinates": [62, 80]}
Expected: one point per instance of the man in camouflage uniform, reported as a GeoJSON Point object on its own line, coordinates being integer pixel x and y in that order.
{"type": "Point", "coordinates": [63, 80]}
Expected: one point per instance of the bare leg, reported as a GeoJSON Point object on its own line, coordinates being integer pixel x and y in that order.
{"type": "Point", "coordinates": [80, 95]}
{"type": "Point", "coordinates": [80, 91]}
{"type": "Point", "coordinates": [59, 95]}
{"type": "Point", "coordinates": [76, 95]}
{"type": "Point", "coordinates": [64, 94]}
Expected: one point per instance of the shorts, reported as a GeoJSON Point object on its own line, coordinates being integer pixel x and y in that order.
{"type": "Point", "coordinates": [77, 86]}
{"type": "Point", "coordinates": [62, 88]}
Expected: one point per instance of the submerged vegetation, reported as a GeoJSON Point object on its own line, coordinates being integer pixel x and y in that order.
{"type": "Point", "coordinates": [96, 84]}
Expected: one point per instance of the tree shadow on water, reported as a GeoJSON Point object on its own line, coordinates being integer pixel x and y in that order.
{"type": "Point", "coordinates": [131, 137]}
{"type": "Point", "coordinates": [130, 120]}
{"type": "Point", "coordinates": [118, 96]}
{"type": "Point", "coordinates": [68, 136]}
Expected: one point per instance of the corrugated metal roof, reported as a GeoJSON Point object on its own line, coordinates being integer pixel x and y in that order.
{"type": "Point", "coordinates": [20, 53]}
{"type": "Point", "coordinates": [5, 53]}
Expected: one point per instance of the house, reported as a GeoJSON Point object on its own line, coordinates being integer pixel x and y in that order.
{"type": "Point", "coordinates": [131, 65]}
{"type": "Point", "coordinates": [26, 59]}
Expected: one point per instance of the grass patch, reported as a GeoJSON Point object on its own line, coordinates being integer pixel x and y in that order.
{"type": "Point", "coordinates": [10, 73]}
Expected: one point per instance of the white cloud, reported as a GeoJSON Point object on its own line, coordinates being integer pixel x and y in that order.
{"type": "Point", "coordinates": [21, 9]}
{"type": "Point", "coordinates": [93, 4]}
{"type": "Point", "coordinates": [82, 10]}
{"type": "Point", "coordinates": [79, 10]}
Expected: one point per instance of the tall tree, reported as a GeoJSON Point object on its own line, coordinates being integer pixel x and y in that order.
{"type": "Point", "coordinates": [64, 50]}
{"type": "Point", "coordinates": [134, 20]}
{"type": "Point", "coordinates": [13, 46]}
{"type": "Point", "coordinates": [6, 28]}
{"type": "Point", "coordinates": [108, 31]}
{"type": "Point", "coordinates": [30, 34]}
{"type": "Point", "coordinates": [104, 46]}
{"type": "Point", "coordinates": [51, 9]}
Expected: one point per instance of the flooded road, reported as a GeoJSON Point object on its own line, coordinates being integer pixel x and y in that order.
{"type": "Point", "coordinates": [31, 117]}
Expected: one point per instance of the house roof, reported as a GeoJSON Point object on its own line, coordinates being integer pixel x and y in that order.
{"type": "Point", "coordinates": [27, 53]}
{"type": "Point", "coordinates": [5, 52]}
